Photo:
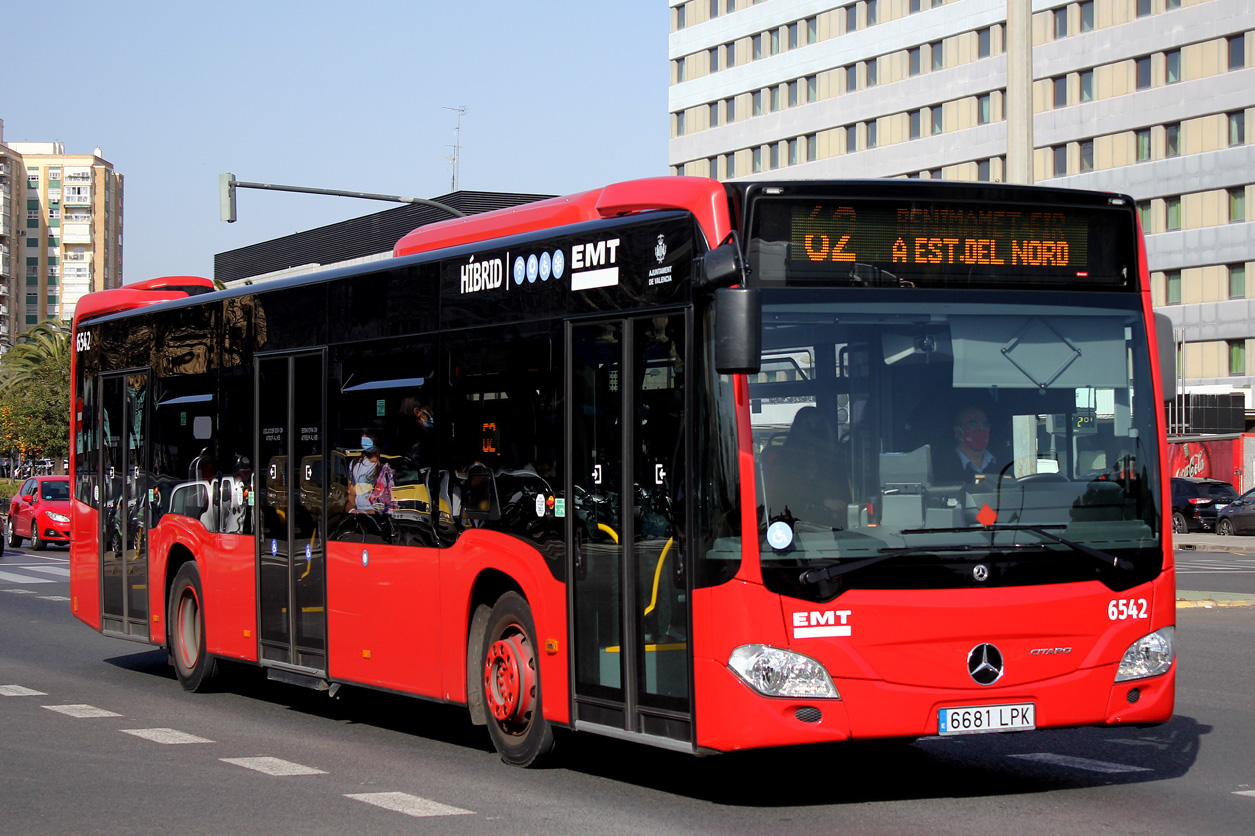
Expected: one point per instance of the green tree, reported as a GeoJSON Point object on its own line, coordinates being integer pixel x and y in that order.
{"type": "Point", "coordinates": [35, 393]}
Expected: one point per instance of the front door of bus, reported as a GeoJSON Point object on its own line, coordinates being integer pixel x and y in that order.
{"type": "Point", "coordinates": [629, 529]}
{"type": "Point", "coordinates": [124, 503]}
{"type": "Point", "coordinates": [291, 581]}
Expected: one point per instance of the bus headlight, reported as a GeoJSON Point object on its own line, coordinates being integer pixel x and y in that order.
{"type": "Point", "coordinates": [1150, 655]}
{"type": "Point", "coordinates": [781, 673]}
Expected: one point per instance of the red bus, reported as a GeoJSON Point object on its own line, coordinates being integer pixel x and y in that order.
{"type": "Point", "coordinates": [710, 467]}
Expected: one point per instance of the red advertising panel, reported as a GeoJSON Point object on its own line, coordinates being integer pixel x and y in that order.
{"type": "Point", "coordinates": [1213, 459]}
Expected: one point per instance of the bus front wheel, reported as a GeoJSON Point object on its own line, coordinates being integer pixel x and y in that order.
{"type": "Point", "coordinates": [511, 683]}
{"type": "Point", "coordinates": [186, 623]}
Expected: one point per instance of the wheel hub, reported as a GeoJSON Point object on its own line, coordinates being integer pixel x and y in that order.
{"type": "Point", "coordinates": [509, 679]}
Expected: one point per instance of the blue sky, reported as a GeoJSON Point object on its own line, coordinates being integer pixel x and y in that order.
{"type": "Point", "coordinates": [562, 96]}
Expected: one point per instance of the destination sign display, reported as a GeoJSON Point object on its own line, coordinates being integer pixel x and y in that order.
{"type": "Point", "coordinates": [812, 241]}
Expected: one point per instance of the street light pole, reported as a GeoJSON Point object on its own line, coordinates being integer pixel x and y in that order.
{"type": "Point", "coordinates": [227, 184]}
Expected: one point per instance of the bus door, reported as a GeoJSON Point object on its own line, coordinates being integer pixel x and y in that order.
{"type": "Point", "coordinates": [124, 504]}
{"type": "Point", "coordinates": [291, 462]}
{"type": "Point", "coordinates": [629, 526]}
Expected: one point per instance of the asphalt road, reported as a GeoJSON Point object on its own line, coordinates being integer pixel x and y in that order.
{"type": "Point", "coordinates": [111, 743]}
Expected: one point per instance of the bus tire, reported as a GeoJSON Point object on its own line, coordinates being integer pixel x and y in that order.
{"type": "Point", "coordinates": [510, 679]}
{"type": "Point", "coordinates": [195, 668]}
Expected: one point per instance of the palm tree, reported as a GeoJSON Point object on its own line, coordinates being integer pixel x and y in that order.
{"type": "Point", "coordinates": [42, 354]}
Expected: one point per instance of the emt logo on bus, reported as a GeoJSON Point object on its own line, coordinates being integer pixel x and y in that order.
{"type": "Point", "coordinates": [818, 623]}
{"type": "Point", "coordinates": [591, 264]}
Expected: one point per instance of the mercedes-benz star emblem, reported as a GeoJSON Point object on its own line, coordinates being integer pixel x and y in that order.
{"type": "Point", "coordinates": [980, 572]}
{"type": "Point", "coordinates": [984, 664]}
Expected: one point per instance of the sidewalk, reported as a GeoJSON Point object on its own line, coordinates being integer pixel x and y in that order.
{"type": "Point", "coordinates": [1216, 543]}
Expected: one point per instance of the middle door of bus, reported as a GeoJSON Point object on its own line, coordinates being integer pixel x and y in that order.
{"type": "Point", "coordinates": [291, 557]}
{"type": "Point", "coordinates": [629, 409]}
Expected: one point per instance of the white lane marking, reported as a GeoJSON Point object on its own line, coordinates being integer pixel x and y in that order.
{"type": "Point", "coordinates": [82, 711]}
{"type": "Point", "coordinates": [166, 736]}
{"type": "Point", "coordinates": [1081, 763]}
{"type": "Point", "coordinates": [410, 805]}
{"type": "Point", "coordinates": [19, 691]}
{"type": "Point", "coordinates": [273, 766]}
{"type": "Point", "coordinates": [52, 598]}
{"type": "Point", "coordinates": [1249, 793]}
{"type": "Point", "coordinates": [19, 591]}
{"type": "Point", "coordinates": [59, 571]}
{"type": "Point", "coordinates": [11, 577]}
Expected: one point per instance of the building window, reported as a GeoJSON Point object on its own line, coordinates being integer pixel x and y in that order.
{"type": "Point", "coordinates": [729, 54]}
{"type": "Point", "coordinates": [1087, 155]}
{"type": "Point", "coordinates": [679, 70]}
{"type": "Point", "coordinates": [984, 43]}
{"type": "Point", "coordinates": [851, 17]}
{"type": "Point", "coordinates": [1237, 357]}
{"type": "Point", "coordinates": [1173, 282]}
{"type": "Point", "coordinates": [1172, 140]}
{"type": "Point", "coordinates": [775, 100]}
{"type": "Point", "coordinates": [775, 41]}
{"type": "Point", "coordinates": [1237, 204]}
{"type": "Point", "coordinates": [792, 152]}
{"type": "Point", "coordinates": [758, 159]}
{"type": "Point", "coordinates": [915, 124]}
{"type": "Point", "coordinates": [730, 166]}
{"type": "Point", "coordinates": [1143, 73]}
{"type": "Point", "coordinates": [982, 171]}
{"type": "Point", "coordinates": [774, 155]}
{"type": "Point", "coordinates": [939, 57]}
{"type": "Point", "coordinates": [679, 124]}
{"type": "Point", "coordinates": [714, 114]}
{"type": "Point", "coordinates": [916, 5]}
{"type": "Point", "coordinates": [758, 46]}
{"type": "Point", "coordinates": [1237, 52]}
{"type": "Point", "coordinates": [1087, 16]}
{"type": "Point", "coordinates": [729, 110]}
{"type": "Point", "coordinates": [1237, 281]}
{"type": "Point", "coordinates": [758, 103]}
{"type": "Point", "coordinates": [812, 88]}
{"type": "Point", "coordinates": [1143, 145]}
{"type": "Point", "coordinates": [792, 94]}
{"type": "Point", "coordinates": [731, 7]}
{"type": "Point", "coordinates": [871, 72]}
{"type": "Point", "coordinates": [812, 148]}
{"type": "Point", "coordinates": [1059, 157]}
{"type": "Point", "coordinates": [714, 8]}
{"type": "Point", "coordinates": [1143, 215]}
{"type": "Point", "coordinates": [851, 79]}
{"type": "Point", "coordinates": [851, 139]}
{"type": "Point", "coordinates": [793, 44]}
{"type": "Point", "coordinates": [1169, 5]}
{"type": "Point", "coordinates": [679, 16]}
{"type": "Point", "coordinates": [1237, 128]}
{"type": "Point", "coordinates": [1174, 66]}
{"type": "Point", "coordinates": [714, 59]}
{"type": "Point", "coordinates": [1087, 86]}
{"type": "Point", "coordinates": [871, 134]}
{"type": "Point", "coordinates": [913, 56]}
{"type": "Point", "coordinates": [812, 30]}
{"type": "Point", "coordinates": [1061, 23]}
{"type": "Point", "coordinates": [1173, 207]}
{"type": "Point", "coordinates": [872, 13]}
{"type": "Point", "coordinates": [1060, 85]}
{"type": "Point", "coordinates": [1143, 8]}
{"type": "Point", "coordinates": [984, 106]}
{"type": "Point", "coordinates": [936, 118]}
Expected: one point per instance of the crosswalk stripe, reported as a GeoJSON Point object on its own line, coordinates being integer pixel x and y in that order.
{"type": "Point", "coordinates": [1080, 763]}
{"type": "Point", "coordinates": [410, 805]}
{"type": "Point", "coordinates": [82, 711]}
{"type": "Point", "coordinates": [1248, 793]}
{"type": "Point", "coordinates": [53, 598]}
{"type": "Point", "coordinates": [59, 571]}
{"type": "Point", "coordinates": [168, 736]}
{"type": "Point", "coordinates": [12, 577]}
{"type": "Point", "coordinates": [19, 591]}
{"type": "Point", "coordinates": [19, 691]}
{"type": "Point", "coordinates": [273, 766]}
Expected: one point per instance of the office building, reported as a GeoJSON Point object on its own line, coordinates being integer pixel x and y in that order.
{"type": "Point", "coordinates": [1147, 97]}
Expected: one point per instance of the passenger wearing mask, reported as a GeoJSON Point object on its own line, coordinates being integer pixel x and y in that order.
{"type": "Point", "coordinates": [370, 481]}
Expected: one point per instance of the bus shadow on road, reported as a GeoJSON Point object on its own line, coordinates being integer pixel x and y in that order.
{"type": "Point", "coordinates": [930, 768]}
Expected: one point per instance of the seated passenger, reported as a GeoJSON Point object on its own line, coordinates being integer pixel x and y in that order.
{"type": "Point", "coordinates": [370, 481]}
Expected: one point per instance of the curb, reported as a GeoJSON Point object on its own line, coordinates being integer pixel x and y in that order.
{"type": "Point", "coordinates": [1210, 603]}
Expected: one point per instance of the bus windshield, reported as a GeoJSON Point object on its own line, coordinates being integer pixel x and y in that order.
{"type": "Point", "coordinates": [945, 431]}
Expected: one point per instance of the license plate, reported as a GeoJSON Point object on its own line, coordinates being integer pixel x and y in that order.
{"type": "Point", "coordinates": [976, 719]}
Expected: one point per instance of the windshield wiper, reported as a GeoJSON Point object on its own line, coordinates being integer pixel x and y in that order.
{"type": "Point", "coordinates": [1105, 558]}
{"type": "Point", "coordinates": [817, 575]}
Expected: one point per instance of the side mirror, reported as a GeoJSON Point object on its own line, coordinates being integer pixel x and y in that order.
{"type": "Point", "coordinates": [1167, 355]}
{"type": "Point", "coordinates": [738, 330]}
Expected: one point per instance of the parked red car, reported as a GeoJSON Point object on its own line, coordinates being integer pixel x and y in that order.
{"type": "Point", "coordinates": [40, 512]}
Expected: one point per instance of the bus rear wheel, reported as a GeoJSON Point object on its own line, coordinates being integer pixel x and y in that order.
{"type": "Point", "coordinates": [511, 683]}
{"type": "Point", "coordinates": [185, 622]}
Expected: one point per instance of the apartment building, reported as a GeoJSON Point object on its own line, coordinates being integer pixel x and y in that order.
{"type": "Point", "coordinates": [1147, 97]}
{"type": "Point", "coordinates": [10, 167]}
{"type": "Point", "coordinates": [65, 236]}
